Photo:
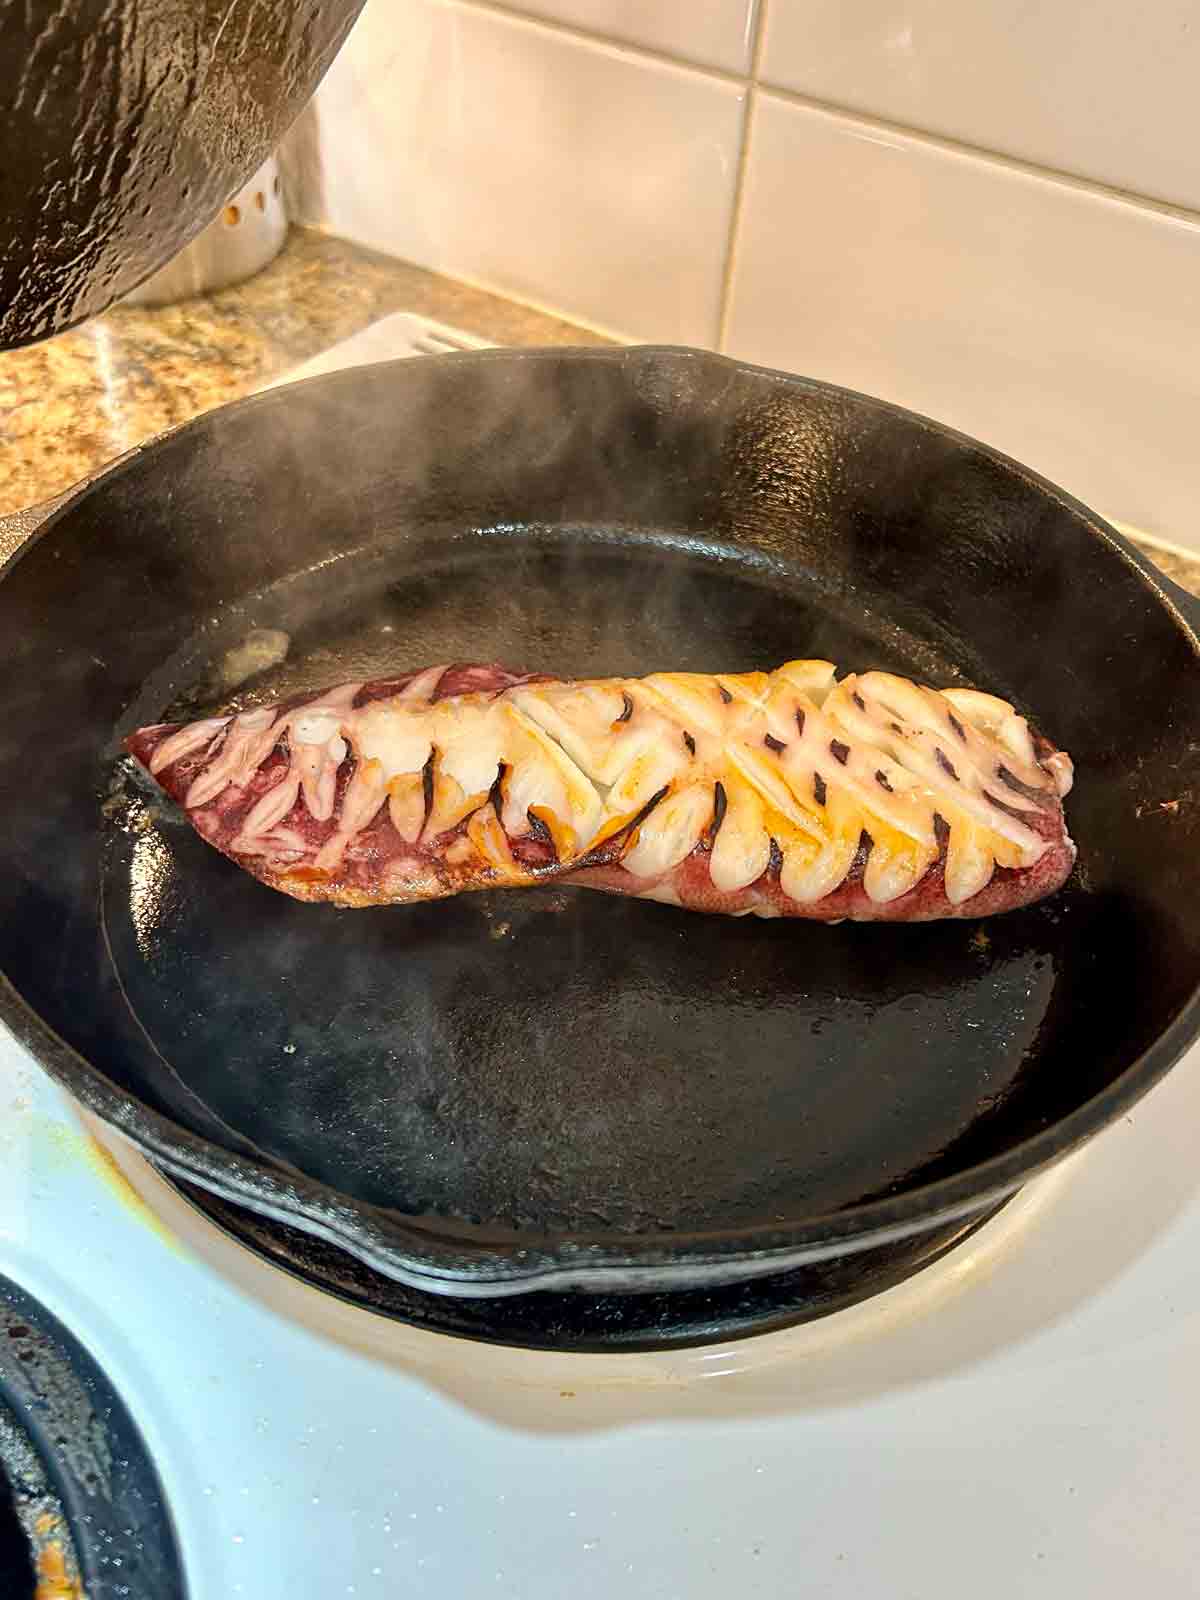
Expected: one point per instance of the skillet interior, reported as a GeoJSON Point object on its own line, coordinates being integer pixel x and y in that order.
{"type": "Point", "coordinates": [534, 1072]}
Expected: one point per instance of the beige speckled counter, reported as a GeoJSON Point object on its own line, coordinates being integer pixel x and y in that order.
{"type": "Point", "coordinates": [75, 402]}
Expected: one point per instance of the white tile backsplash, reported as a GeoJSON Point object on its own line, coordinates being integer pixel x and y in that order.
{"type": "Point", "coordinates": [556, 169]}
{"type": "Point", "coordinates": [1056, 323]}
{"type": "Point", "coordinates": [510, 145]}
{"type": "Point", "coordinates": [713, 33]}
{"type": "Point", "coordinates": [1106, 90]}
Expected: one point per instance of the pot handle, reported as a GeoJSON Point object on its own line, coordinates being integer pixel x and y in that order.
{"type": "Point", "coordinates": [19, 526]}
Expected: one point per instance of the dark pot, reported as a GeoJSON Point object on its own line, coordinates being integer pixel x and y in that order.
{"type": "Point", "coordinates": [127, 125]}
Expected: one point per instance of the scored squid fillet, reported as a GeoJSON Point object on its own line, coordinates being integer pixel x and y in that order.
{"type": "Point", "coordinates": [789, 793]}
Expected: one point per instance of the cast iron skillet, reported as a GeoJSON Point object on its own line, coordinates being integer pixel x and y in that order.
{"type": "Point", "coordinates": [556, 1088]}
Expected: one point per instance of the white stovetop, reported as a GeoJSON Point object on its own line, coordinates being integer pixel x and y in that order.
{"type": "Point", "coordinates": [1020, 1421]}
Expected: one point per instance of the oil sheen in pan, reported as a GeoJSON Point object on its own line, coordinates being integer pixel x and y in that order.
{"type": "Point", "coordinates": [548, 1061]}
{"type": "Point", "coordinates": [579, 603]}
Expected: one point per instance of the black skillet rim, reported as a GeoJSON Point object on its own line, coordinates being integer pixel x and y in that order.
{"type": "Point", "coordinates": [591, 1323]}
{"type": "Point", "coordinates": [428, 1252]}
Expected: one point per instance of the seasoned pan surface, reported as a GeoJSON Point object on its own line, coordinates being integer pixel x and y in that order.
{"type": "Point", "coordinates": [538, 1086]}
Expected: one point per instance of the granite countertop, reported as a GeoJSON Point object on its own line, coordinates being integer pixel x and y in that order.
{"type": "Point", "coordinates": [69, 405]}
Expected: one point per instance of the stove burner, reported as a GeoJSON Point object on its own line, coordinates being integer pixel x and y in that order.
{"type": "Point", "coordinates": [571, 1320]}
{"type": "Point", "coordinates": [81, 1508]}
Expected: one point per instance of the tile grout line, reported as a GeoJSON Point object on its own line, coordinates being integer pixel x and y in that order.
{"type": "Point", "coordinates": [923, 136]}
{"type": "Point", "coordinates": [631, 47]}
{"type": "Point", "coordinates": [1095, 187]}
{"type": "Point", "coordinates": [739, 187]}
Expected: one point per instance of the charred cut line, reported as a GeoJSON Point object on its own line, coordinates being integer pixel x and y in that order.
{"type": "Point", "coordinates": [691, 744]}
{"type": "Point", "coordinates": [616, 844]}
{"type": "Point", "coordinates": [839, 751]}
{"type": "Point", "coordinates": [654, 800]}
{"type": "Point", "coordinates": [627, 708]}
{"type": "Point", "coordinates": [881, 779]}
{"type": "Point", "coordinates": [496, 792]}
{"type": "Point", "coordinates": [720, 803]}
{"type": "Point", "coordinates": [427, 785]}
{"type": "Point", "coordinates": [859, 701]}
{"type": "Point", "coordinates": [1024, 789]}
{"type": "Point", "coordinates": [957, 726]}
{"type": "Point", "coordinates": [772, 743]}
{"type": "Point", "coordinates": [944, 761]}
{"type": "Point", "coordinates": [775, 864]}
{"type": "Point", "coordinates": [941, 832]}
{"type": "Point", "coordinates": [800, 721]}
{"type": "Point", "coordinates": [725, 694]}
{"type": "Point", "coordinates": [896, 729]}
{"type": "Point", "coordinates": [818, 788]}
{"type": "Point", "coordinates": [1009, 811]}
{"type": "Point", "coordinates": [859, 865]}
{"type": "Point", "coordinates": [539, 832]}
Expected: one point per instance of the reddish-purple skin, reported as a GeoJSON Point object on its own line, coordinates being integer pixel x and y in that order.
{"type": "Point", "coordinates": [360, 881]}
